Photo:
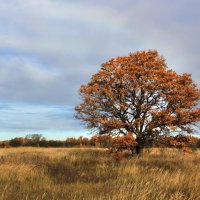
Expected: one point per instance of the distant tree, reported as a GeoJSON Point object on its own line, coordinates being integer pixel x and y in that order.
{"type": "Point", "coordinates": [105, 141]}
{"type": "Point", "coordinates": [85, 141]}
{"type": "Point", "coordinates": [34, 139]}
{"type": "Point", "coordinates": [80, 140]}
{"type": "Point", "coordinates": [71, 142]}
{"type": "Point", "coordinates": [17, 142]}
{"type": "Point", "coordinates": [56, 143]}
{"type": "Point", "coordinates": [43, 143]}
{"type": "Point", "coordinates": [139, 95]}
{"type": "Point", "coordinates": [95, 141]}
{"type": "Point", "coordinates": [4, 144]}
{"type": "Point", "coordinates": [101, 141]}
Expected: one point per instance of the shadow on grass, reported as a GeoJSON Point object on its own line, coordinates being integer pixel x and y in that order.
{"type": "Point", "coordinates": [81, 170]}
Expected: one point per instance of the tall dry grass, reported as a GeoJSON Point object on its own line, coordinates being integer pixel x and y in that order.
{"type": "Point", "coordinates": [90, 174]}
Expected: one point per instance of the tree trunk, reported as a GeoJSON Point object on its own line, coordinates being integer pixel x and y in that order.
{"type": "Point", "coordinates": [137, 149]}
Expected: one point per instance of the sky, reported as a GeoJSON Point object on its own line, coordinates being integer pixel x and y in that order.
{"type": "Point", "coordinates": [48, 48]}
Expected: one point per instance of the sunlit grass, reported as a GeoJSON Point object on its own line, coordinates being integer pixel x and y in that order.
{"type": "Point", "coordinates": [61, 173]}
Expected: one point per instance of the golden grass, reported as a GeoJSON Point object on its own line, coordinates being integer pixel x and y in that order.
{"type": "Point", "coordinates": [92, 174]}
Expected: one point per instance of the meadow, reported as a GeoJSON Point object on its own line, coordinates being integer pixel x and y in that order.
{"type": "Point", "coordinates": [92, 174]}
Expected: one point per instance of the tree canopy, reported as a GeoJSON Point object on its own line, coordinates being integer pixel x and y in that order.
{"type": "Point", "coordinates": [137, 94]}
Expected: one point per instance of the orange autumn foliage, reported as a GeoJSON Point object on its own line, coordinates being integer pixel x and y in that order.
{"type": "Point", "coordinates": [138, 94]}
{"type": "Point", "coordinates": [121, 143]}
{"type": "Point", "coordinates": [182, 142]}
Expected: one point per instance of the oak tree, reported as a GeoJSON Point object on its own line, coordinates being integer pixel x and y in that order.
{"type": "Point", "coordinates": [137, 94]}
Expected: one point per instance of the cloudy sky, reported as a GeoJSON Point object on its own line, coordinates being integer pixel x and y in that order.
{"type": "Point", "coordinates": [48, 48]}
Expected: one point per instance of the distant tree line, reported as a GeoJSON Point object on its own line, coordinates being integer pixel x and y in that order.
{"type": "Point", "coordinates": [37, 140]}
{"type": "Point", "coordinates": [118, 143]}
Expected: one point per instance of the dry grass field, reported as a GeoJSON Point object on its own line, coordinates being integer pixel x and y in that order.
{"type": "Point", "coordinates": [90, 174]}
